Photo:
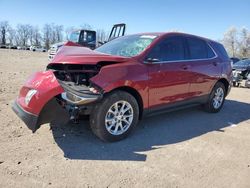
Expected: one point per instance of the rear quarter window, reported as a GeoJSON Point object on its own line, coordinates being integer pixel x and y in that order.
{"type": "Point", "coordinates": [221, 50]}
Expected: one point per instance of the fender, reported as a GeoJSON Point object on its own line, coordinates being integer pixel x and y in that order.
{"type": "Point", "coordinates": [126, 74]}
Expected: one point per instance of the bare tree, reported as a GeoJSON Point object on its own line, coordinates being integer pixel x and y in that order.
{"type": "Point", "coordinates": [23, 31]}
{"type": "Point", "coordinates": [37, 36]}
{"type": "Point", "coordinates": [68, 30]}
{"type": "Point", "coordinates": [47, 35]}
{"type": "Point", "coordinates": [244, 47]}
{"type": "Point", "coordinates": [31, 35]}
{"type": "Point", "coordinates": [11, 36]}
{"type": "Point", "coordinates": [86, 26]}
{"type": "Point", "coordinates": [59, 33]}
{"type": "Point", "coordinates": [4, 27]}
{"type": "Point", "coordinates": [230, 41]}
{"type": "Point", "coordinates": [52, 34]}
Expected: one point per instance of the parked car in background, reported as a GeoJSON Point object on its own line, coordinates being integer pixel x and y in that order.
{"type": "Point", "coordinates": [242, 67]}
{"type": "Point", "coordinates": [13, 47]}
{"type": "Point", "coordinates": [247, 84]}
{"type": "Point", "coordinates": [38, 49]}
{"type": "Point", "coordinates": [125, 79]}
{"type": "Point", "coordinates": [54, 48]}
{"type": "Point", "coordinates": [234, 59]}
{"type": "Point", "coordinates": [3, 46]}
{"type": "Point", "coordinates": [21, 47]}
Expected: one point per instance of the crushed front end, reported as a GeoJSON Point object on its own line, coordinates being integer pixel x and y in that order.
{"type": "Point", "coordinates": [79, 92]}
{"type": "Point", "coordinates": [63, 91]}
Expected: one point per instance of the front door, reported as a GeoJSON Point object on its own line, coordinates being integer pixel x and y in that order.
{"type": "Point", "coordinates": [169, 76]}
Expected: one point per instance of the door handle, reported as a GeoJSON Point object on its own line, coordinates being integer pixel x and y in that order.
{"type": "Point", "coordinates": [185, 67]}
{"type": "Point", "coordinates": [215, 63]}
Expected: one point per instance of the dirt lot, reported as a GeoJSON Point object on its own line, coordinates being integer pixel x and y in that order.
{"type": "Point", "coordinates": [188, 148]}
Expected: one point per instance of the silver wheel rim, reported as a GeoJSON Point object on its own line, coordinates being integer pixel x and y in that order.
{"type": "Point", "coordinates": [119, 118]}
{"type": "Point", "coordinates": [218, 98]}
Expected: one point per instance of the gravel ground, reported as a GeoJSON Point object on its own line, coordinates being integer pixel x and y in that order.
{"type": "Point", "coordinates": [188, 148]}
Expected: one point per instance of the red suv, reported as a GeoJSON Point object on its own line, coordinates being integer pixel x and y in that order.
{"type": "Point", "coordinates": [125, 79]}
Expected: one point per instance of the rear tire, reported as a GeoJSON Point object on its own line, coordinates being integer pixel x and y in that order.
{"type": "Point", "coordinates": [216, 98]}
{"type": "Point", "coordinates": [115, 116]}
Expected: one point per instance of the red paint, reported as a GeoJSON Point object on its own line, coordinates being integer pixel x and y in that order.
{"type": "Point", "coordinates": [82, 55]}
{"type": "Point", "coordinates": [46, 85]}
{"type": "Point", "coordinates": [157, 84]}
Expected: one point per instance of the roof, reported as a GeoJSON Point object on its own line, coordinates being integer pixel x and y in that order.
{"type": "Point", "coordinates": [176, 33]}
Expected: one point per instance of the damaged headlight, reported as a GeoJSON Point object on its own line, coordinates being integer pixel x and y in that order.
{"type": "Point", "coordinates": [94, 90]}
{"type": "Point", "coordinates": [29, 96]}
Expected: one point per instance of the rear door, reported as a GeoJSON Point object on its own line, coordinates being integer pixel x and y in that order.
{"type": "Point", "coordinates": [169, 78]}
{"type": "Point", "coordinates": [204, 66]}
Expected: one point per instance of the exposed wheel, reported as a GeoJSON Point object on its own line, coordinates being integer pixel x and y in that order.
{"type": "Point", "coordinates": [216, 98]}
{"type": "Point", "coordinates": [115, 116]}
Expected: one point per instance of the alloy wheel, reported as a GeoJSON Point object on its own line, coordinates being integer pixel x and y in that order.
{"type": "Point", "coordinates": [119, 118]}
{"type": "Point", "coordinates": [218, 98]}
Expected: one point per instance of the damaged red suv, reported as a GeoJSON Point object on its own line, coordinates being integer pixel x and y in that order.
{"type": "Point", "coordinates": [125, 79]}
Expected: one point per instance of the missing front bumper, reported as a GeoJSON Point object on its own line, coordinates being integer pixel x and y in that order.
{"type": "Point", "coordinates": [50, 112]}
{"type": "Point", "coordinates": [29, 119]}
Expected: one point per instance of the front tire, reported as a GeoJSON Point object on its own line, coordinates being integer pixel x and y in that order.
{"type": "Point", "coordinates": [115, 116]}
{"type": "Point", "coordinates": [216, 98]}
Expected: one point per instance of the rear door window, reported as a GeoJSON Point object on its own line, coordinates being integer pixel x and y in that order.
{"type": "Point", "coordinates": [197, 48]}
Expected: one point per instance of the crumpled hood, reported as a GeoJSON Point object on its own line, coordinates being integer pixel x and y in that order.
{"type": "Point", "coordinates": [75, 54]}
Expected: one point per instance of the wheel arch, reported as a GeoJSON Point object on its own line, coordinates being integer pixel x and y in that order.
{"type": "Point", "coordinates": [135, 94]}
{"type": "Point", "coordinates": [226, 84]}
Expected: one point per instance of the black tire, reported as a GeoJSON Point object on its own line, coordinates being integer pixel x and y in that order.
{"type": "Point", "coordinates": [97, 117]}
{"type": "Point", "coordinates": [209, 106]}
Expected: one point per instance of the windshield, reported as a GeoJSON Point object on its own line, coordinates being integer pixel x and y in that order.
{"type": "Point", "coordinates": [243, 63]}
{"type": "Point", "coordinates": [127, 46]}
{"type": "Point", "coordinates": [74, 36]}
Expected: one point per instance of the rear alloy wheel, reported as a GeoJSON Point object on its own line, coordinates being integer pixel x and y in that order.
{"type": "Point", "coordinates": [216, 98]}
{"type": "Point", "coordinates": [115, 116]}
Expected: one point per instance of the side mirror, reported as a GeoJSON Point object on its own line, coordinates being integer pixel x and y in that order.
{"type": "Point", "coordinates": [151, 60]}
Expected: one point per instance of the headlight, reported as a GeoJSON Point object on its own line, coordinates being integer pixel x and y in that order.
{"type": "Point", "coordinates": [29, 96]}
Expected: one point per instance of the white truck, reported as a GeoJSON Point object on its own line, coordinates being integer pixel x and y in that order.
{"type": "Point", "coordinates": [87, 38]}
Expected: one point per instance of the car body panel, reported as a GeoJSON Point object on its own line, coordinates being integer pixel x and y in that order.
{"type": "Point", "coordinates": [205, 74]}
{"type": "Point", "coordinates": [168, 83]}
{"type": "Point", "coordinates": [128, 74]}
{"type": "Point", "coordinates": [82, 55]}
{"type": "Point", "coordinates": [47, 87]}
